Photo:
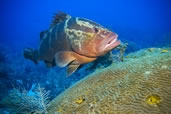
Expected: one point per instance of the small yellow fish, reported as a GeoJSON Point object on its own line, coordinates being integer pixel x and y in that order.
{"type": "Point", "coordinates": [164, 51]}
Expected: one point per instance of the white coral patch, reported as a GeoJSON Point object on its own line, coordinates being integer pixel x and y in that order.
{"type": "Point", "coordinates": [147, 74]}
{"type": "Point", "coordinates": [164, 67]}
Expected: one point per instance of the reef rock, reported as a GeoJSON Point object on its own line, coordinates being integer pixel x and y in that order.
{"type": "Point", "coordinates": [139, 85]}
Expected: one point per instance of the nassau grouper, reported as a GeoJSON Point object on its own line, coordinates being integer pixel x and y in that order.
{"type": "Point", "coordinates": [72, 41]}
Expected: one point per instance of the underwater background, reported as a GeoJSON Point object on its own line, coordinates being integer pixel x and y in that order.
{"type": "Point", "coordinates": [140, 23]}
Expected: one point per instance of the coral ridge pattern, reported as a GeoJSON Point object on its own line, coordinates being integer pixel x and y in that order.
{"type": "Point", "coordinates": [139, 85]}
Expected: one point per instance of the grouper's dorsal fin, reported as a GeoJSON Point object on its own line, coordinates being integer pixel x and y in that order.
{"type": "Point", "coordinates": [59, 17]}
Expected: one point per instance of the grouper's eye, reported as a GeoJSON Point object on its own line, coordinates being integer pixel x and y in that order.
{"type": "Point", "coordinates": [96, 30]}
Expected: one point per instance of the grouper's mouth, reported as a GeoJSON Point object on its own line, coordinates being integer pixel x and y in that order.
{"type": "Point", "coordinates": [108, 43]}
{"type": "Point", "coordinates": [111, 42]}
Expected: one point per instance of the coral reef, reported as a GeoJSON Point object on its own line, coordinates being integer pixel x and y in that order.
{"type": "Point", "coordinates": [17, 72]}
{"type": "Point", "coordinates": [139, 85]}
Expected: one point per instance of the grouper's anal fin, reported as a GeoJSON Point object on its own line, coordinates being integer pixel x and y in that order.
{"type": "Point", "coordinates": [49, 64]}
{"type": "Point", "coordinates": [59, 17]}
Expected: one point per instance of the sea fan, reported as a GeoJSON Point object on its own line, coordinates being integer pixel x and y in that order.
{"type": "Point", "coordinates": [43, 100]}
{"type": "Point", "coordinates": [27, 102]}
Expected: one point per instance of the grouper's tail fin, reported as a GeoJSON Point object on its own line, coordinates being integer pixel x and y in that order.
{"type": "Point", "coordinates": [31, 54]}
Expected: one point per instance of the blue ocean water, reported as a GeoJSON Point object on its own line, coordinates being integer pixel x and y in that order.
{"type": "Point", "coordinates": [145, 22]}
{"type": "Point", "coordinates": [140, 23]}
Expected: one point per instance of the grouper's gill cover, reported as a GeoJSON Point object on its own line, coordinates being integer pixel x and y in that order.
{"type": "Point", "coordinates": [71, 41]}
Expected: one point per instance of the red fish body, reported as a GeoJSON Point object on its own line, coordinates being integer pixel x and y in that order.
{"type": "Point", "coordinates": [72, 41]}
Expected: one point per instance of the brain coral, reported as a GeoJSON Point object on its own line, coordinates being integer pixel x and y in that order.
{"type": "Point", "coordinates": [140, 85]}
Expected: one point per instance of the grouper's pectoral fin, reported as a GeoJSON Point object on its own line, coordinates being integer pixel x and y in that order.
{"type": "Point", "coordinates": [63, 58]}
{"type": "Point", "coordinates": [72, 60]}
{"type": "Point", "coordinates": [71, 68]}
